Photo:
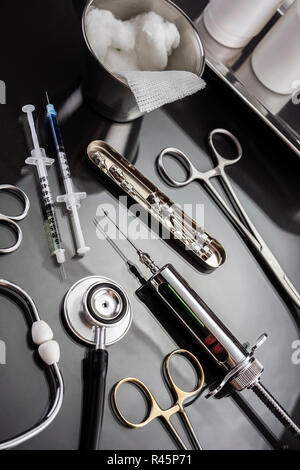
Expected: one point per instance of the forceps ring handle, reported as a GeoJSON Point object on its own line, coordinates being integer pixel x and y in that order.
{"type": "Point", "coordinates": [191, 170]}
{"type": "Point", "coordinates": [224, 161]}
{"type": "Point", "coordinates": [154, 410]}
{"type": "Point", "coordinates": [21, 195]}
{"type": "Point", "coordinates": [15, 227]}
{"type": "Point", "coordinates": [181, 395]}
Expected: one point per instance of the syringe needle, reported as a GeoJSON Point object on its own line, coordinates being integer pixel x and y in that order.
{"type": "Point", "coordinates": [144, 257]}
{"type": "Point", "coordinates": [47, 96]}
{"type": "Point", "coordinates": [132, 267]}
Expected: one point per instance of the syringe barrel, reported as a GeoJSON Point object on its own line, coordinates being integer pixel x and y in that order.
{"type": "Point", "coordinates": [52, 116]}
{"type": "Point", "coordinates": [206, 327]}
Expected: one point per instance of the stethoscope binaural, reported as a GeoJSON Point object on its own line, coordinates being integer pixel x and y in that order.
{"type": "Point", "coordinates": [98, 313]}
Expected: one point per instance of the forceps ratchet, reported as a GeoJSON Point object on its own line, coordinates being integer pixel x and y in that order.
{"type": "Point", "coordinates": [239, 219]}
{"type": "Point", "coordinates": [180, 396]}
{"type": "Point", "coordinates": [10, 220]}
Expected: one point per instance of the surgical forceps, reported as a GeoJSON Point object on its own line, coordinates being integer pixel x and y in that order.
{"type": "Point", "coordinates": [11, 220]}
{"type": "Point", "coordinates": [239, 219]}
{"type": "Point", "coordinates": [180, 396]}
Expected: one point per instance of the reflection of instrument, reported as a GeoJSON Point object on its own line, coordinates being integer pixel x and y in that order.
{"type": "Point", "coordinates": [11, 220]}
{"type": "Point", "coordinates": [48, 351]}
{"type": "Point", "coordinates": [239, 219]}
{"type": "Point", "coordinates": [98, 313]}
{"type": "Point", "coordinates": [186, 232]}
{"type": "Point", "coordinates": [180, 396]}
{"type": "Point", "coordinates": [241, 369]}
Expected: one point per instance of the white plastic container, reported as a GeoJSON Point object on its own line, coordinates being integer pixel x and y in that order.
{"type": "Point", "coordinates": [235, 22]}
{"type": "Point", "coordinates": [276, 59]}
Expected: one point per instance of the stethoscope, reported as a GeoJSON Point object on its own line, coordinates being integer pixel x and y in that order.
{"type": "Point", "coordinates": [48, 350]}
{"type": "Point", "coordinates": [98, 313]}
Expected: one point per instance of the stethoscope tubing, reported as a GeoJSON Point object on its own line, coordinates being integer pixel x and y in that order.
{"type": "Point", "coordinates": [57, 400]}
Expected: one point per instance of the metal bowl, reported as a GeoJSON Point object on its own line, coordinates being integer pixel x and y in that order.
{"type": "Point", "coordinates": [109, 94]}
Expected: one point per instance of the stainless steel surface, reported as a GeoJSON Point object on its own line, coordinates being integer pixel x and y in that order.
{"type": "Point", "coordinates": [195, 243]}
{"type": "Point", "coordinates": [108, 93]}
{"type": "Point", "coordinates": [240, 293]}
{"type": "Point", "coordinates": [233, 66]}
{"type": "Point", "coordinates": [17, 292]}
{"type": "Point", "coordinates": [240, 220]}
{"type": "Point", "coordinates": [80, 322]}
{"type": "Point", "coordinates": [10, 220]}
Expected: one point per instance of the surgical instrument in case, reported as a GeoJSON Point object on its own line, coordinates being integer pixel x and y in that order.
{"type": "Point", "coordinates": [186, 233]}
{"type": "Point", "coordinates": [11, 220]}
{"type": "Point", "coordinates": [40, 160]}
{"type": "Point", "coordinates": [239, 219]}
{"type": "Point", "coordinates": [98, 313]}
{"type": "Point", "coordinates": [241, 369]}
{"type": "Point", "coordinates": [48, 350]}
{"type": "Point", "coordinates": [70, 198]}
{"type": "Point", "coordinates": [180, 397]}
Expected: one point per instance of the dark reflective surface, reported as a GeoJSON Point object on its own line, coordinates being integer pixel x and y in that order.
{"type": "Point", "coordinates": [266, 181]}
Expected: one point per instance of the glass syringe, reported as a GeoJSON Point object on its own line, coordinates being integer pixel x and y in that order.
{"type": "Point", "coordinates": [71, 198]}
{"type": "Point", "coordinates": [41, 161]}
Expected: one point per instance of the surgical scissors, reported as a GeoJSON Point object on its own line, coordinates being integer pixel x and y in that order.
{"type": "Point", "coordinates": [239, 219]}
{"type": "Point", "coordinates": [11, 220]}
{"type": "Point", "coordinates": [180, 396]}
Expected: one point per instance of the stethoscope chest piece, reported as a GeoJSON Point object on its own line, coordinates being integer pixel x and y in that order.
{"type": "Point", "coordinates": [97, 302]}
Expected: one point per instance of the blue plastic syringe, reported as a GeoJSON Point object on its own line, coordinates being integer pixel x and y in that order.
{"type": "Point", "coordinates": [70, 198]}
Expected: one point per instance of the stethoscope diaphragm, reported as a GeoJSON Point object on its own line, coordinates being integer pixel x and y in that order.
{"type": "Point", "coordinates": [94, 302]}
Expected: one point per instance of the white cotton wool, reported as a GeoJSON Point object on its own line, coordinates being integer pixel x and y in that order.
{"type": "Point", "coordinates": [123, 35]}
{"type": "Point", "coordinates": [98, 26]}
{"type": "Point", "coordinates": [155, 41]}
{"type": "Point", "coordinates": [141, 43]}
{"type": "Point", "coordinates": [120, 61]}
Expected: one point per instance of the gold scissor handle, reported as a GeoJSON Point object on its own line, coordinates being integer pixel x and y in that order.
{"type": "Point", "coordinates": [154, 410]}
{"type": "Point", "coordinates": [180, 394]}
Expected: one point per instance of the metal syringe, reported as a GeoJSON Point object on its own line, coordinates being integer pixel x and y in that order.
{"type": "Point", "coordinates": [242, 370]}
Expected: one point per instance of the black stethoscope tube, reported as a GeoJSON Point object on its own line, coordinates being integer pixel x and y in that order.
{"type": "Point", "coordinates": [95, 371]}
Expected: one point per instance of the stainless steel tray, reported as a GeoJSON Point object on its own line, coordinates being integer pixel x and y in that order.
{"type": "Point", "coordinates": [233, 66]}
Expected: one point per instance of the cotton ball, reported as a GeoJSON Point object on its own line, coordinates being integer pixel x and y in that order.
{"type": "Point", "coordinates": [150, 42]}
{"type": "Point", "coordinates": [120, 61]}
{"type": "Point", "coordinates": [141, 43]}
{"type": "Point", "coordinates": [156, 40]}
{"type": "Point", "coordinates": [123, 36]}
{"type": "Point", "coordinates": [172, 37]}
{"type": "Point", "coordinates": [98, 27]}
